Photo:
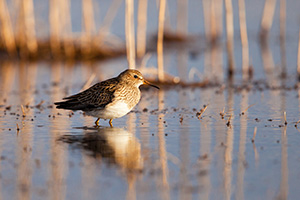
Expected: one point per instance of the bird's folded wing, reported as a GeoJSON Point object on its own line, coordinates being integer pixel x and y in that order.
{"type": "Point", "coordinates": [97, 96]}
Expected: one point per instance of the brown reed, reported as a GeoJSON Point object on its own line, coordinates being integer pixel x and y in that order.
{"type": "Point", "coordinates": [55, 28]}
{"type": "Point", "coordinates": [216, 9]}
{"type": "Point", "coordinates": [244, 40]}
{"type": "Point", "coordinates": [129, 32]}
{"type": "Point", "coordinates": [18, 129]}
{"type": "Point", "coordinates": [6, 30]}
{"type": "Point", "coordinates": [182, 18]}
{"type": "Point", "coordinates": [267, 18]}
{"type": "Point", "coordinates": [23, 111]}
{"type": "Point", "coordinates": [27, 27]}
{"type": "Point", "coordinates": [254, 134]}
{"type": "Point", "coordinates": [141, 28]}
{"type": "Point", "coordinates": [298, 57]}
{"type": "Point", "coordinates": [284, 117]}
{"type": "Point", "coordinates": [108, 19]}
{"type": "Point", "coordinates": [198, 114]}
{"type": "Point", "coordinates": [229, 30]}
{"type": "Point", "coordinates": [207, 18]}
{"type": "Point", "coordinates": [228, 124]}
{"type": "Point", "coordinates": [161, 19]}
{"type": "Point", "coordinates": [282, 25]}
{"type": "Point", "coordinates": [88, 27]}
{"type": "Point", "coordinates": [67, 37]}
{"type": "Point", "coordinates": [212, 11]}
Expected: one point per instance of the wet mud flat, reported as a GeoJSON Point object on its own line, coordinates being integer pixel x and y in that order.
{"type": "Point", "coordinates": [179, 142]}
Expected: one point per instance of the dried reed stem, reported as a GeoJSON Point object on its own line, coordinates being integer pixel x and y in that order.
{"type": "Point", "coordinates": [215, 20]}
{"type": "Point", "coordinates": [297, 123]}
{"type": "Point", "coordinates": [254, 134]}
{"type": "Point", "coordinates": [228, 121]}
{"type": "Point", "coordinates": [222, 114]}
{"type": "Point", "coordinates": [142, 28]}
{"type": "Point", "coordinates": [40, 104]}
{"type": "Point", "coordinates": [29, 23]}
{"type": "Point", "coordinates": [267, 58]}
{"type": "Point", "coordinates": [88, 25]}
{"type": "Point", "coordinates": [212, 11]}
{"type": "Point", "coordinates": [23, 111]}
{"type": "Point", "coordinates": [6, 30]}
{"type": "Point", "coordinates": [244, 40]}
{"type": "Point", "coordinates": [298, 57]}
{"type": "Point", "coordinates": [108, 19]}
{"type": "Point", "coordinates": [18, 129]}
{"type": "Point", "coordinates": [160, 35]}
{"type": "Point", "coordinates": [67, 31]}
{"type": "Point", "coordinates": [218, 5]}
{"type": "Point", "coordinates": [267, 18]}
{"type": "Point", "coordinates": [198, 114]}
{"type": "Point", "coordinates": [55, 28]}
{"type": "Point", "coordinates": [207, 18]}
{"type": "Point", "coordinates": [247, 109]}
{"type": "Point", "coordinates": [284, 116]}
{"type": "Point", "coordinates": [182, 17]}
{"type": "Point", "coordinates": [130, 38]}
{"type": "Point", "coordinates": [88, 16]}
{"type": "Point", "coordinates": [229, 30]}
{"type": "Point", "coordinates": [282, 25]}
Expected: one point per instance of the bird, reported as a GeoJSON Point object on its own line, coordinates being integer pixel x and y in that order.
{"type": "Point", "coordinates": [109, 99]}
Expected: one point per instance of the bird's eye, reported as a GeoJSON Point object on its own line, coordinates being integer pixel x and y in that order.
{"type": "Point", "coordinates": [135, 76]}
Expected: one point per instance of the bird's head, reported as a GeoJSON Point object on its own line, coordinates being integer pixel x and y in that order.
{"type": "Point", "coordinates": [134, 77]}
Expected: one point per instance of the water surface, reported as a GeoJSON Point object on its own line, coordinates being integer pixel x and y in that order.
{"type": "Point", "coordinates": [161, 150]}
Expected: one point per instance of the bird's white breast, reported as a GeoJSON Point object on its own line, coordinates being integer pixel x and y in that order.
{"type": "Point", "coordinates": [111, 111]}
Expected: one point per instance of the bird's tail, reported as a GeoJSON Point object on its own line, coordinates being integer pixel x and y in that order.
{"type": "Point", "coordinates": [72, 104]}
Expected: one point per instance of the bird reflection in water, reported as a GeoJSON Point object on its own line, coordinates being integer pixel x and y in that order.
{"type": "Point", "coordinates": [114, 146]}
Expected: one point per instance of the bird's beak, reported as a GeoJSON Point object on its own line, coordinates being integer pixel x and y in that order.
{"type": "Point", "coordinates": [147, 83]}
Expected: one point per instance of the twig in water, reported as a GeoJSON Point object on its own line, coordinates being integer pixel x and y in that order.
{"type": "Point", "coordinates": [40, 104]}
{"type": "Point", "coordinates": [141, 28]}
{"type": "Point", "coordinates": [228, 122]}
{"type": "Point", "coordinates": [244, 40]}
{"type": "Point", "coordinates": [160, 36]}
{"type": "Point", "coordinates": [284, 115]}
{"type": "Point", "coordinates": [198, 114]}
{"type": "Point", "coordinates": [130, 34]}
{"type": "Point", "coordinates": [297, 123]}
{"type": "Point", "coordinates": [181, 120]}
{"type": "Point", "coordinates": [242, 113]}
{"type": "Point", "coordinates": [267, 18]}
{"type": "Point", "coordinates": [23, 111]}
{"type": "Point", "coordinates": [230, 37]}
{"type": "Point", "coordinates": [298, 57]}
{"type": "Point", "coordinates": [18, 129]}
{"type": "Point", "coordinates": [254, 134]}
{"type": "Point", "coordinates": [222, 113]}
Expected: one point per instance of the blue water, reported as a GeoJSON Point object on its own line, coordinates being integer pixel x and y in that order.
{"type": "Point", "coordinates": [161, 152]}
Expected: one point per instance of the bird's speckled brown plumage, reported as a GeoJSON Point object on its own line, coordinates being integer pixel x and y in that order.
{"type": "Point", "coordinates": [98, 99]}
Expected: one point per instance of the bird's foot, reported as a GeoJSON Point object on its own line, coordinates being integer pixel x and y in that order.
{"type": "Point", "coordinates": [110, 123]}
{"type": "Point", "coordinates": [97, 122]}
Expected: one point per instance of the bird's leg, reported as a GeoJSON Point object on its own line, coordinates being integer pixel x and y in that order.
{"type": "Point", "coordinates": [97, 122]}
{"type": "Point", "coordinates": [110, 123]}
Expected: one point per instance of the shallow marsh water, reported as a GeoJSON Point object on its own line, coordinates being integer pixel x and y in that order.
{"type": "Point", "coordinates": [161, 150]}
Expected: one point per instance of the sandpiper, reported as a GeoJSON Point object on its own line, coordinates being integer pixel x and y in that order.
{"type": "Point", "coordinates": [108, 99]}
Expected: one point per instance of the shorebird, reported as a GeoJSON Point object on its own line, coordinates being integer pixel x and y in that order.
{"type": "Point", "coordinates": [108, 99]}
